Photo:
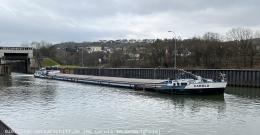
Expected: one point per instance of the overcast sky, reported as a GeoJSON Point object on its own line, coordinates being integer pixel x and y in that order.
{"type": "Point", "coordinates": [23, 21]}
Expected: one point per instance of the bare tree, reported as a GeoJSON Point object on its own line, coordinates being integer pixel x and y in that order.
{"type": "Point", "coordinates": [244, 38]}
{"type": "Point", "coordinates": [257, 34]}
{"type": "Point", "coordinates": [211, 36]}
{"type": "Point", "coordinates": [240, 34]}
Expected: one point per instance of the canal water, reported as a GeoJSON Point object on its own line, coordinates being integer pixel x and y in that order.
{"type": "Point", "coordinates": [36, 106]}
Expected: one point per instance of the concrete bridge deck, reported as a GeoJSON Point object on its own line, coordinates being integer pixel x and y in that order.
{"type": "Point", "coordinates": [18, 59]}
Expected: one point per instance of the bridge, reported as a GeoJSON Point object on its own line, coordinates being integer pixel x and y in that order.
{"type": "Point", "coordinates": [16, 59]}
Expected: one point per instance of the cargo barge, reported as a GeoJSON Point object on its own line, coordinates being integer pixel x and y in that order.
{"type": "Point", "coordinates": [195, 85]}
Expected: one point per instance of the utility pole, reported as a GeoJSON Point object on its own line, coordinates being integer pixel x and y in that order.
{"type": "Point", "coordinates": [175, 50]}
{"type": "Point", "coordinates": [82, 57]}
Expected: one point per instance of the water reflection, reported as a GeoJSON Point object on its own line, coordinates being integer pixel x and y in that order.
{"type": "Point", "coordinates": [194, 103]}
{"type": "Point", "coordinates": [5, 81]}
{"type": "Point", "coordinates": [251, 93]}
{"type": "Point", "coordinates": [29, 103]}
{"type": "Point", "coordinates": [19, 88]}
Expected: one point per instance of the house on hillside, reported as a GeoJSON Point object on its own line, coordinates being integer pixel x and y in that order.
{"type": "Point", "coordinates": [148, 40]}
{"type": "Point", "coordinates": [132, 41]}
{"type": "Point", "coordinates": [92, 49]}
{"type": "Point", "coordinates": [134, 56]}
{"type": "Point", "coordinates": [256, 42]}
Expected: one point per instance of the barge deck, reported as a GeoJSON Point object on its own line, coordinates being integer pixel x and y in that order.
{"type": "Point", "coordinates": [133, 83]}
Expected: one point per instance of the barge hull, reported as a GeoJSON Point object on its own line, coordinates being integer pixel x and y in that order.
{"type": "Point", "coordinates": [131, 83]}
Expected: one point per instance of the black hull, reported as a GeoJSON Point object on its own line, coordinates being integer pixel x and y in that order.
{"type": "Point", "coordinates": [206, 91]}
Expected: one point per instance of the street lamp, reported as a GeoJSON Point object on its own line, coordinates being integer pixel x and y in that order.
{"type": "Point", "coordinates": [175, 51]}
{"type": "Point", "coordinates": [82, 57]}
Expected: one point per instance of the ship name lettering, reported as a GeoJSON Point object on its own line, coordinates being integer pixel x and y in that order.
{"type": "Point", "coordinates": [201, 85]}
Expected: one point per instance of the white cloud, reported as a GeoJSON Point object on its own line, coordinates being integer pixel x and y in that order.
{"type": "Point", "coordinates": [89, 20]}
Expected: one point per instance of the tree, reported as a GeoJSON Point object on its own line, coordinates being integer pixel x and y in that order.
{"type": "Point", "coordinates": [156, 54]}
{"type": "Point", "coordinates": [211, 36]}
{"type": "Point", "coordinates": [117, 59]}
{"type": "Point", "coordinates": [244, 38]}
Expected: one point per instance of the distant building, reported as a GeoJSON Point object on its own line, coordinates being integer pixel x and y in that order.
{"type": "Point", "coordinates": [103, 41]}
{"type": "Point", "coordinates": [148, 40]}
{"type": "Point", "coordinates": [132, 41]}
{"type": "Point", "coordinates": [107, 50]}
{"type": "Point", "coordinates": [258, 48]}
{"type": "Point", "coordinates": [256, 42]}
{"type": "Point", "coordinates": [134, 56]}
{"type": "Point", "coordinates": [124, 41]}
{"type": "Point", "coordinates": [184, 53]}
{"type": "Point", "coordinates": [92, 49]}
